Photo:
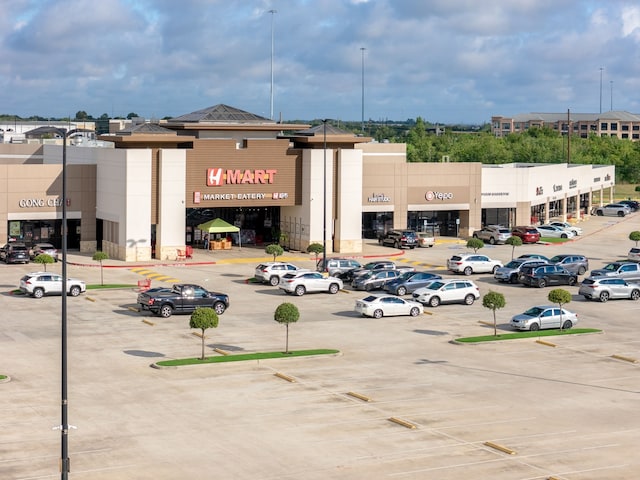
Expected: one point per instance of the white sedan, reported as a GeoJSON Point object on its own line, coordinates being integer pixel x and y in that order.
{"type": "Point", "coordinates": [304, 282]}
{"type": "Point", "coordinates": [378, 306]}
{"type": "Point", "coordinates": [577, 231]}
{"type": "Point", "coordinates": [552, 231]}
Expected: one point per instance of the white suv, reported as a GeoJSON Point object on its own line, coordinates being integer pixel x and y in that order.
{"type": "Point", "coordinates": [447, 291]}
{"type": "Point", "coordinates": [39, 284]}
{"type": "Point", "coordinates": [272, 272]}
{"type": "Point", "coordinates": [469, 263]}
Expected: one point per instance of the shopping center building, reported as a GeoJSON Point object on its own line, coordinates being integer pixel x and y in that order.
{"type": "Point", "coordinates": [144, 190]}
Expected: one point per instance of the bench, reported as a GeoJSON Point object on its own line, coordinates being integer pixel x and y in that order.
{"type": "Point", "coordinates": [144, 285]}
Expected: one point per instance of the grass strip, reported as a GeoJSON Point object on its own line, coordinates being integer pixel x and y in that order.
{"type": "Point", "coordinates": [554, 240]}
{"type": "Point", "coordinates": [244, 357]}
{"type": "Point", "coordinates": [2, 377]}
{"type": "Point", "coordinates": [539, 333]}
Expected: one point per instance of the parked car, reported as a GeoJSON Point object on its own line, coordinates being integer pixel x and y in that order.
{"type": "Point", "coordinates": [374, 280]}
{"type": "Point", "coordinates": [400, 239]}
{"type": "Point", "coordinates": [552, 231]}
{"type": "Point", "coordinates": [613, 210]}
{"type": "Point", "coordinates": [182, 298]}
{"type": "Point", "coordinates": [493, 234]}
{"type": "Point", "coordinates": [39, 284]}
{"type": "Point", "coordinates": [469, 263]}
{"type": "Point", "coordinates": [374, 267]}
{"type": "Point", "coordinates": [574, 263]}
{"type": "Point", "coordinates": [632, 204]}
{"type": "Point", "coordinates": [425, 239]}
{"type": "Point", "coordinates": [544, 316]}
{"type": "Point", "coordinates": [526, 234]}
{"type": "Point", "coordinates": [40, 248]}
{"type": "Point", "coordinates": [387, 306]}
{"type": "Point", "coordinates": [337, 267]}
{"type": "Point", "coordinates": [308, 282]}
{"type": "Point", "coordinates": [14, 253]}
{"type": "Point", "coordinates": [577, 231]}
{"type": "Point", "coordinates": [271, 272]}
{"type": "Point", "coordinates": [605, 288]}
{"type": "Point", "coordinates": [511, 271]}
{"type": "Point", "coordinates": [625, 270]}
{"type": "Point", "coordinates": [447, 291]}
{"type": "Point", "coordinates": [409, 281]}
{"type": "Point", "coordinates": [634, 254]}
{"type": "Point", "coordinates": [543, 275]}
{"type": "Point", "coordinates": [532, 256]}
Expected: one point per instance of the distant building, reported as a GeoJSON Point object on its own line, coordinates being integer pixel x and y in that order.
{"type": "Point", "coordinates": [623, 125]}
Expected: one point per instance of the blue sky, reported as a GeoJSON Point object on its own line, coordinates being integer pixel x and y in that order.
{"type": "Point", "coordinates": [448, 61]}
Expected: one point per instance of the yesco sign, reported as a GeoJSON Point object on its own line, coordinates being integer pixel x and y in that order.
{"type": "Point", "coordinates": [218, 176]}
{"type": "Point", "coordinates": [431, 196]}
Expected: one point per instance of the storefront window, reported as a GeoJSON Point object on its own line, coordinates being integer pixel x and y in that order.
{"type": "Point", "coordinates": [376, 224]}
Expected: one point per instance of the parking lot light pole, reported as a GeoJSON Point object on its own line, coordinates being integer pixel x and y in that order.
{"type": "Point", "coordinates": [324, 196]}
{"type": "Point", "coordinates": [64, 425]}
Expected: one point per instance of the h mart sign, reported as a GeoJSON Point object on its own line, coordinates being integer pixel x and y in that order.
{"type": "Point", "coordinates": [217, 177]}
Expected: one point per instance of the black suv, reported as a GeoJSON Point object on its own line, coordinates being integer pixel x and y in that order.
{"type": "Point", "coordinates": [400, 239]}
{"type": "Point", "coordinates": [543, 275]}
{"type": "Point", "coordinates": [14, 253]}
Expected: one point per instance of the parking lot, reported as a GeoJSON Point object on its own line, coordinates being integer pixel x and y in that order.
{"type": "Point", "coordinates": [401, 400]}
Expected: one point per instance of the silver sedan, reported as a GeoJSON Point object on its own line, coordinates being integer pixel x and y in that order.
{"type": "Point", "coordinates": [387, 306]}
{"type": "Point", "coordinates": [544, 316]}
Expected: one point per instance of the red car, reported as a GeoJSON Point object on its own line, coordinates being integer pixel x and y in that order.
{"type": "Point", "coordinates": [526, 234]}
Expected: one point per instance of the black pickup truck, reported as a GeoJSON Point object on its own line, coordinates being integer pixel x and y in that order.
{"type": "Point", "coordinates": [181, 298]}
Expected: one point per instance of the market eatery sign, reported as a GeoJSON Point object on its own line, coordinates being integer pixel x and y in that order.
{"type": "Point", "coordinates": [217, 177]}
{"type": "Point", "coordinates": [41, 202]}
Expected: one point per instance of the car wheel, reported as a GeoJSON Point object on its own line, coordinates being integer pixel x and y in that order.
{"type": "Point", "coordinates": [513, 278]}
{"type": "Point", "coordinates": [377, 314]}
{"type": "Point", "coordinates": [468, 271]}
{"type": "Point", "coordinates": [635, 295]}
{"type": "Point", "coordinates": [434, 302]}
{"type": "Point", "coordinates": [397, 245]}
{"type": "Point", "coordinates": [273, 281]}
{"type": "Point", "coordinates": [564, 235]}
{"type": "Point", "coordinates": [604, 296]}
{"type": "Point", "coordinates": [299, 291]}
{"type": "Point", "coordinates": [542, 283]}
{"type": "Point", "coordinates": [219, 307]}
{"type": "Point", "coordinates": [334, 288]}
{"type": "Point", "coordinates": [581, 271]}
{"type": "Point", "coordinates": [415, 311]}
{"type": "Point", "coordinates": [572, 281]}
{"type": "Point", "coordinates": [74, 291]}
{"type": "Point", "coordinates": [475, 236]}
{"type": "Point", "coordinates": [402, 291]}
{"type": "Point", "coordinates": [469, 299]}
{"type": "Point", "coordinates": [534, 327]}
{"type": "Point", "coordinates": [567, 325]}
{"type": "Point", "coordinates": [621, 214]}
{"type": "Point", "coordinates": [494, 269]}
{"type": "Point", "coordinates": [492, 241]}
{"type": "Point", "coordinates": [599, 213]}
{"type": "Point", "coordinates": [166, 311]}
{"type": "Point", "coordinates": [38, 293]}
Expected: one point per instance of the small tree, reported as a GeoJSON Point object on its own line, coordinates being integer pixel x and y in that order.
{"type": "Point", "coordinates": [514, 242]}
{"type": "Point", "coordinates": [635, 236]}
{"type": "Point", "coordinates": [275, 250]}
{"type": "Point", "coordinates": [99, 257]}
{"type": "Point", "coordinates": [475, 243]}
{"type": "Point", "coordinates": [286, 313]}
{"type": "Point", "coordinates": [44, 258]}
{"type": "Point", "coordinates": [561, 297]}
{"type": "Point", "coordinates": [204, 318]}
{"type": "Point", "coordinates": [316, 248]}
{"type": "Point", "coordinates": [494, 301]}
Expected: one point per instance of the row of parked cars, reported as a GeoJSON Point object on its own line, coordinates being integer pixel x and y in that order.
{"type": "Point", "coordinates": [15, 252]}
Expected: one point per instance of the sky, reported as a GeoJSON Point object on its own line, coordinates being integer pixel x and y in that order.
{"type": "Point", "coordinates": [446, 61]}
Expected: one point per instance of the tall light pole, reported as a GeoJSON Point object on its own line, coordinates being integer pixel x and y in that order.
{"type": "Point", "coordinates": [324, 195]}
{"type": "Point", "coordinates": [362, 49]}
{"type": "Point", "coordinates": [611, 85]}
{"type": "Point", "coordinates": [64, 425]}
{"type": "Point", "coordinates": [601, 69]}
{"type": "Point", "coordinates": [272, 12]}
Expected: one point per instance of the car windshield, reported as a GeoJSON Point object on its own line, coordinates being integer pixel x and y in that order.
{"type": "Point", "coordinates": [534, 311]}
{"type": "Point", "coordinates": [504, 230]}
{"type": "Point", "coordinates": [406, 276]}
{"type": "Point", "coordinates": [434, 285]}
{"type": "Point", "coordinates": [612, 267]}
{"type": "Point", "coordinates": [514, 264]}
{"type": "Point", "coordinates": [370, 266]}
{"type": "Point", "coordinates": [556, 259]}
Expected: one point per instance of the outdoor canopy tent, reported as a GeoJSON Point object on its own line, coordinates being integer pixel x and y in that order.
{"type": "Point", "coordinates": [218, 225]}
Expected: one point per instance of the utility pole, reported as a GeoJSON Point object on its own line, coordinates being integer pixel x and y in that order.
{"type": "Point", "coordinates": [601, 69]}
{"type": "Point", "coordinates": [362, 49]}
{"type": "Point", "coordinates": [272, 12]}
